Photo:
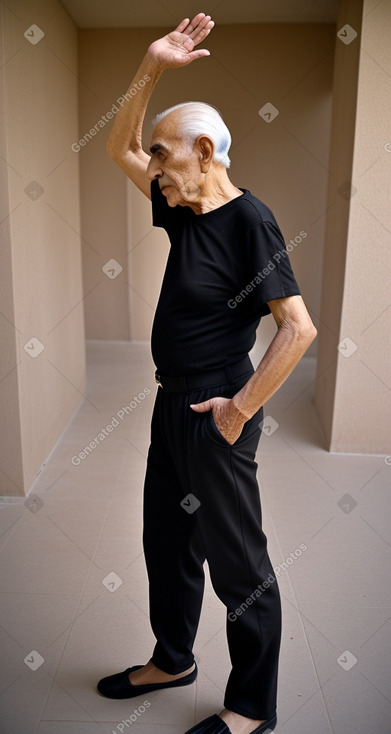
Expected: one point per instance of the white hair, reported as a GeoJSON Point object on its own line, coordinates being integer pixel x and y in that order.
{"type": "Point", "coordinates": [199, 118]}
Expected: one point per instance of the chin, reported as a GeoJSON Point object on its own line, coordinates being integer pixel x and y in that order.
{"type": "Point", "coordinates": [171, 195]}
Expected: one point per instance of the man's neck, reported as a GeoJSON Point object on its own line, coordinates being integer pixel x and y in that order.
{"type": "Point", "coordinates": [217, 192]}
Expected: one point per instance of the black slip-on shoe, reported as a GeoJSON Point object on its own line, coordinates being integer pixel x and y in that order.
{"type": "Point", "coordinates": [215, 725]}
{"type": "Point", "coordinates": [119, 685]}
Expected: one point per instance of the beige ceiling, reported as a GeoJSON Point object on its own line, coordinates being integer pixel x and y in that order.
{"type": "Point", "coordinates": [149, 13]}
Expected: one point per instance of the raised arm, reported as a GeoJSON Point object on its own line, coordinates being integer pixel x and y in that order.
{"type": "Point", "coordinates": [173, 50]}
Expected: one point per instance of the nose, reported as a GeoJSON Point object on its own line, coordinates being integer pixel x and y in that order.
{"type": "Point", "coordinates": [154, 170]}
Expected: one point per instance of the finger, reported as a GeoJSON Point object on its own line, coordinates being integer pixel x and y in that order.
{"type": "Point", "coordinates": [198, 19]}
{"type": "Point", "coordinates": [193, 55]}
{"type": "Point", "coordinates": [182, 25]}
{"type": "Point", "coordinates": [202, 22]}
{"type": "Point", "coordinates": [207, 22]}
{"type": "Point", "coordinates": [192, 24]}
{"type": "Point", "coordinates": [202, 407]}
{"type": "Point", "coordinates": [201, 35]}
{"type": "Point", "coordinates": [204, 26]}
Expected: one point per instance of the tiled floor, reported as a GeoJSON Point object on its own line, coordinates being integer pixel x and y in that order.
{"type": "Point", "coordinates": [82, 524]}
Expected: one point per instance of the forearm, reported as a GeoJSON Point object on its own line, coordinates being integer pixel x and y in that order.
{"type": "Point", "coordinates": [171, 51]}
{"type": "Point", "coordinates": [281, 357]}
{"type": "Point", "coordinates": [126, 133]}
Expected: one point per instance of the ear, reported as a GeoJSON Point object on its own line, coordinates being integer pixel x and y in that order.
{"type": "Point", "coordinates": [206, 151]}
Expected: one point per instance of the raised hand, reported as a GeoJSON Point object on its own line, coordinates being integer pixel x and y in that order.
{"type": "Point", "coordinates": [176, 49]}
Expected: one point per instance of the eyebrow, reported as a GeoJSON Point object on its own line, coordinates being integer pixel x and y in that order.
{"type": "Point", "coordinates": [156, 147]}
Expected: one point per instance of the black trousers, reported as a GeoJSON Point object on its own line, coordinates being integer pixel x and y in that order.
{"type": "Point", "coordinates": [221, 522]}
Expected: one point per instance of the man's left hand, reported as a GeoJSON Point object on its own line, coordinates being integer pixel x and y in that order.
{"type": "Point", "coordinates": [228, 418]}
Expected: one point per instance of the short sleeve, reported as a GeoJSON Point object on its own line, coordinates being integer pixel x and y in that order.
{"type": "Point", "coordinates": [270, 273]}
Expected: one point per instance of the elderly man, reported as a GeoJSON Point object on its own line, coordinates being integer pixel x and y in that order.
{"type": "Point", "coordinates": [227, 267]}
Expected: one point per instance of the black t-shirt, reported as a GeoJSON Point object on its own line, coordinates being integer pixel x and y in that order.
{"type": "Point", "coordinates": [223, 267]}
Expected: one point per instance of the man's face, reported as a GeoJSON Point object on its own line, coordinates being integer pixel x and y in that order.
{"type": "Point", "coordinates": [175, 163]}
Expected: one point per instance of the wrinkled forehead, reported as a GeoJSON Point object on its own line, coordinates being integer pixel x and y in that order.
{"type": "Point", "coordinates": [168, 129]}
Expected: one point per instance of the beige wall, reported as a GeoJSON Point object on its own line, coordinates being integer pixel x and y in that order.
{"type": "Point", "coordinates": [284, 163]}
{"type": "Point", "coordinates": [353, 384]}
{"type": "Point", "coordinates": [41, 282]}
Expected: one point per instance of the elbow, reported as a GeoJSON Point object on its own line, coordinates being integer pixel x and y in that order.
{"type": "Point", "coordinates": [110, 150]}
{"type": "Point", "coordinates": [115, 154]}
{"type": "Point", "coordinates": [114, 148]}
{"type": "Point", "coordinates": [311, 333]}
{"type": "Point", "coordinates": [302, 333]}
{"type": "Point", "coordinates": [306, 335]}
{"type": "Point", "coordinates": [306, 329]}
{"type": "Point", "coordinates": [118, 153]}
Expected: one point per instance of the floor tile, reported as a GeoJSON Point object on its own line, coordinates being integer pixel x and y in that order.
{"type": "Point", "coordinates": [74, 587]}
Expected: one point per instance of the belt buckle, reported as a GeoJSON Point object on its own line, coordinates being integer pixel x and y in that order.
{"type": "Point", "coordinates": [157, 379]}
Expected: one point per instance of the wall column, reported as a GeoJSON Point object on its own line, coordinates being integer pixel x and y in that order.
{"type": "Point", "coordinates": [353, 392]}
{"type": "Point", "coordinates": [42, 370]}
